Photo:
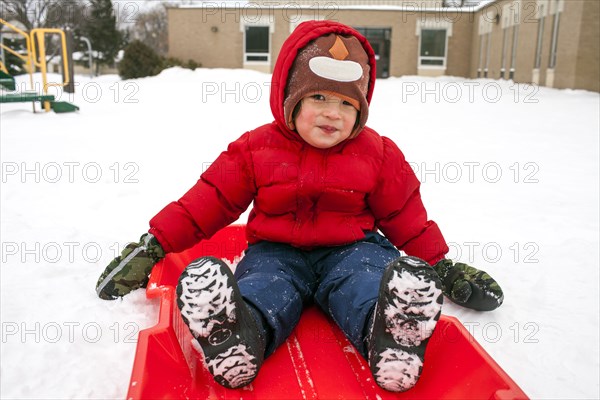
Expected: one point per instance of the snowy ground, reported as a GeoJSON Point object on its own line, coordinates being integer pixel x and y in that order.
{"type": "Point", "coordinates": [509, 172]}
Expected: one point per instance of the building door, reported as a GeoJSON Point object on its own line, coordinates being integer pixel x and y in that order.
{"type": "Point", "coordinates": [379, 38]}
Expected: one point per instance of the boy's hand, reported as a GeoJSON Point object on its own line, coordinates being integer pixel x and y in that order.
{"type": "Point", "coordinates": [469, 286]}
{"type": "Point", "coordinates": [131, 269]}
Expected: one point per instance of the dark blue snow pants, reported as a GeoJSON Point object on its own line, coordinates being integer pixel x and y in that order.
{"type": "Point", "coordinates": [278, 280]}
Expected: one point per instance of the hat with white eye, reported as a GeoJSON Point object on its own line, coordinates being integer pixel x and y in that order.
{"type": "Point", "coordinates": [331, 64]}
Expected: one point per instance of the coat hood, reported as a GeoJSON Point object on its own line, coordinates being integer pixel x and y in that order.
{"type": "Point", "coordinates": [302, 36]}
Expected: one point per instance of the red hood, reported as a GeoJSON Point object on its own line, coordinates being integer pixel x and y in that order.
{"type": "Point", "coordinates": [301, 36]}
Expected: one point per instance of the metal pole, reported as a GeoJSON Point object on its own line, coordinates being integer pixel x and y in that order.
{"type": "Point", "coordinates": [89, 46]}
{"type": "Point", "coordinates": [70, 87]}
{"type": "Point", "coordinates": [3, 57]}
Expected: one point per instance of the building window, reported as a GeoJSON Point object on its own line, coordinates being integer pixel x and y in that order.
{"type": "Point", "coordinates": [485, 38]}
{"type": "Point", "coordinates": [256, 45]}
{"type": "Point", "coordinates": [379, 38]}
{"type": "Point", "coordinates": [513, 54]}
{"type": "Point", "coordinates": [538, 49]}
{"type": "Point", "coordinates": [504, 46]}
{"type": "Point", "coordinates": [541, 12]}
{"type": "Point", "coordinates": [511, 16]}
{"type": "Point", "coordinates": [433, 48]}
{"type": "Point", "coordinates": [558, 5]}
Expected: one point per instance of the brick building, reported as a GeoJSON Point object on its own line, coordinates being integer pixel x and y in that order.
{"type": "Point", "coordinates": [554, 43]}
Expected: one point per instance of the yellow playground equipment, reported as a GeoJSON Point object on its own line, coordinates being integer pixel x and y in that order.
{"type": "Point", "coordinates": [34, 57]}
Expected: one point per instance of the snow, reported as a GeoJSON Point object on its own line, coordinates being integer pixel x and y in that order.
{"type": "Point", "coordinates": [394, 364]}
{"type": "Point", "coordinates": [509, 172]}
{"type": "Point", "coordinates": [200, 303]}
{"type": "Point", "coordinates": [235, 365]}
{"type": "Point", "coordinates": [416, 296]}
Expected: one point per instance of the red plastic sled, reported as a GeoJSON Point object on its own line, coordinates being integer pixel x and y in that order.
{"type": "Point", "coordinates": [316, 362]}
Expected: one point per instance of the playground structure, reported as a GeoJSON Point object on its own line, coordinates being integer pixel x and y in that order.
{"type": "Point", "coordinates": [34, 57]}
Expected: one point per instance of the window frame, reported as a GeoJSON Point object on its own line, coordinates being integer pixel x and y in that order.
{"type": "Point", "coordinates": [444, 59]}
{"type": "Point", "coordinates": [255, 54]}
{"type": "Point", "coordinates": [554, 37]}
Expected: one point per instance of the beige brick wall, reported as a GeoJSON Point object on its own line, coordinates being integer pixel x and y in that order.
{"type": "Point", "coordinates": [402, 50]}
{"type": "Point", "coordinates": [588, 56]}
{"type": "Point", "coordinates": [346, 3]}
{"type": "Point", "coordinates": [490, 53]}
{"type": "Point", "coordinates": [577, 51]}
{"type": "Point", "coordinates": [191, 36]}
{"type": "Point", "coordinates": [528, 27]}
{"type": "Point", "coordinates": [568, 43]}
{"type": "Point", "coordinates": [214, 38]}
{"type": "Point", "coordinates": [404, 41]}
{"type": "Point", "coordinates": [460, 47]}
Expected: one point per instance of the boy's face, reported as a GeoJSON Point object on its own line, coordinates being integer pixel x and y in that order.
{"type": "Point", "coordinates": [325, 120]}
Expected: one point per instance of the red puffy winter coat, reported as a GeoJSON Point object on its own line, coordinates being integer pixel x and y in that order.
{"type": "Point", "coordinates": [302, 195]}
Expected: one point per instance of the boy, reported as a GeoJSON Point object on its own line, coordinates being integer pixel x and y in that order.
{"type": "Point", "coordinates": [322, 185]}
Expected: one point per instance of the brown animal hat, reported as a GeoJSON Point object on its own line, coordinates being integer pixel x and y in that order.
{"type": "Point", "coordinates": [331, 64]}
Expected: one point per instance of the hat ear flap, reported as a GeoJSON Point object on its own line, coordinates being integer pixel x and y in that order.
{"type": "Point", "coordinates": [292, 122]}
{"type": "Point", "coordinates": [357, 128]}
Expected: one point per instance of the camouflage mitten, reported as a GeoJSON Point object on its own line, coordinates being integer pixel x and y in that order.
{"type": "Point", "coordinates": [130, 270]}
{"type": "Point", "coordinates": [469, 286]}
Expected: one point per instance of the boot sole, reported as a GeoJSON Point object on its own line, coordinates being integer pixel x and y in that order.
{"type": "Point", "coordinates": [407, 311]}
{"type": "Point", "coordinates": [214, 311]}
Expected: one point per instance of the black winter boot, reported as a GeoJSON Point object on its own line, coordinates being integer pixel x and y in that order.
{"type": "Point", "coordinates": [408, 308]}
{"type": "Point", "coordinates": [212, 307]}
